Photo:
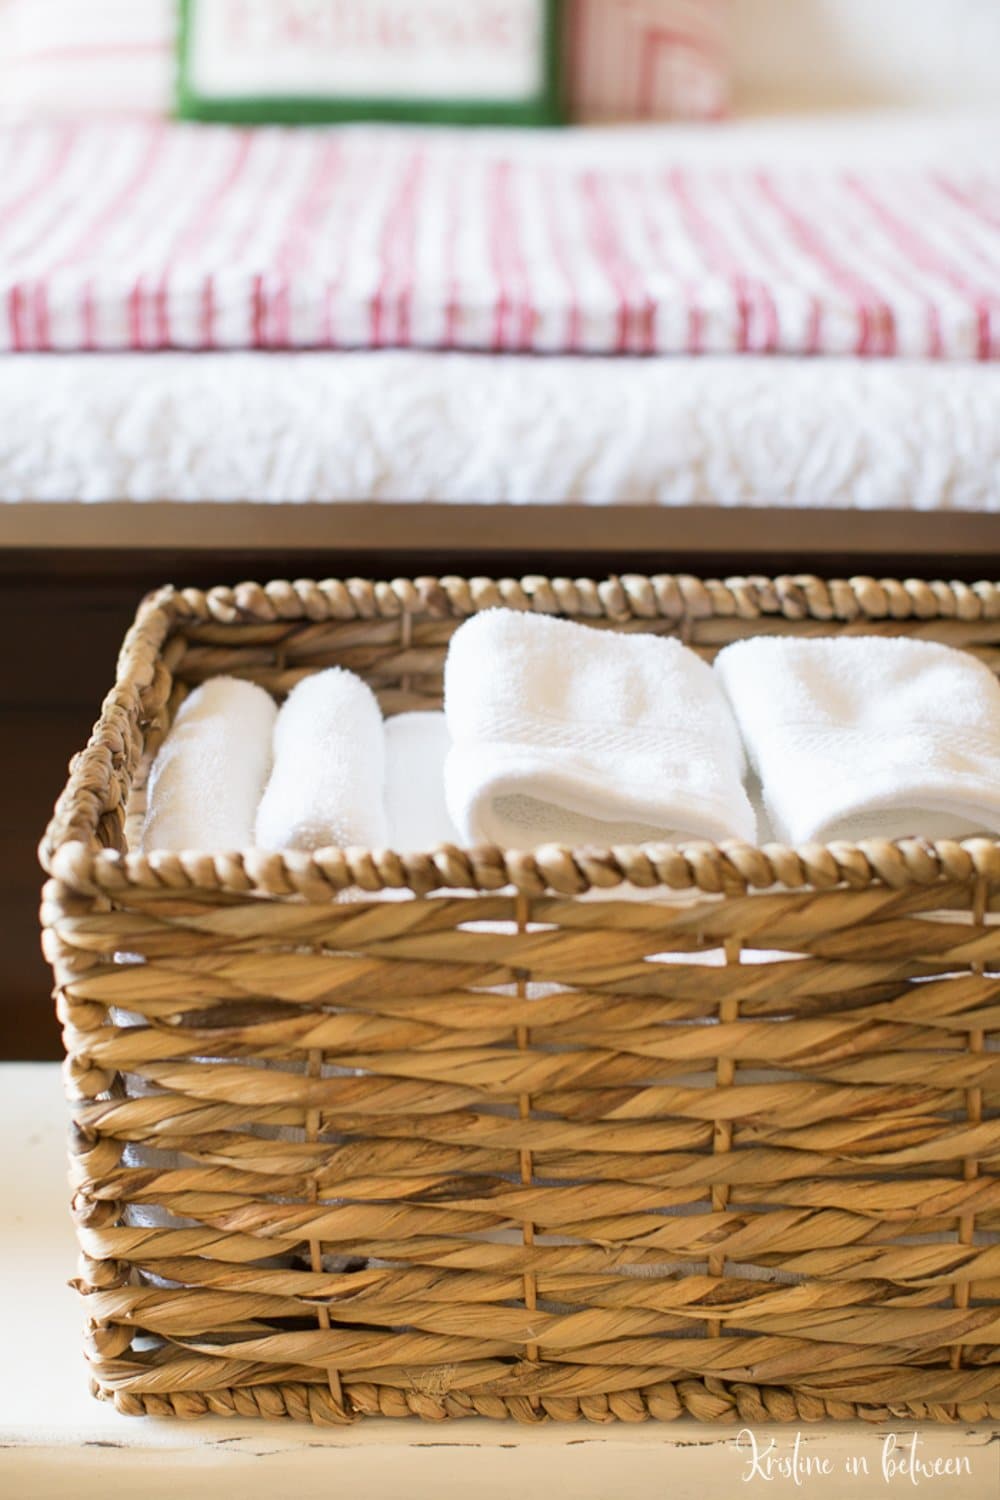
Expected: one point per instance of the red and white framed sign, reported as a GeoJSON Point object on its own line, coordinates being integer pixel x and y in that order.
{"type": "Point", "coordinates": [309, 60]}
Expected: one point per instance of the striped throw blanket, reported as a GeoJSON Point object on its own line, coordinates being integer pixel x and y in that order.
{"type": "Point", "coordinates": [165, 236]}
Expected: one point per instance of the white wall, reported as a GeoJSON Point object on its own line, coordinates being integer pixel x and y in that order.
{"type": "Point", "coordinates": [843, 53]}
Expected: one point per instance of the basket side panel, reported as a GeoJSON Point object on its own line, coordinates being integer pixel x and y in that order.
{"type": "Point", "coordinates": [541, 1158]}
{"type": "Point", "coordinates": [731, 1153]}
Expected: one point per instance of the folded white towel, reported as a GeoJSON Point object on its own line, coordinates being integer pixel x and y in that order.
{"type": "Point", "coordinates": [328, 784]}
{"type": "Point", "coordinates": [867, 737]}
{"type": "Point", "coordinates": [416, 748]}
{"type": "Point", "coordinates": [211, 769]}
{"type": "Point", "coordinates": [570, 735]}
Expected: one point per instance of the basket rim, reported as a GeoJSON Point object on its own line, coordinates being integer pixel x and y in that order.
{"type": "Point", "coordinates": [70, 851]}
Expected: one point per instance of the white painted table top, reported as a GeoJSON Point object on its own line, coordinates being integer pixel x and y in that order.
{"type": "Point", "coordinates": [56, 1441]}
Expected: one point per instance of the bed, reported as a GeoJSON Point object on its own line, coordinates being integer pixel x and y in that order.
{"type": "Point", "coordinates": [813, 304]}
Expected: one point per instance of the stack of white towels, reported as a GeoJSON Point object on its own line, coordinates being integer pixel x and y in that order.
{"type": "Point", "coordinates": [559, 733]}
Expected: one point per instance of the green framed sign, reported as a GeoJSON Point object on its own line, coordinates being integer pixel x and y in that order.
{"type": "Point", "coordinates": [309, 61]}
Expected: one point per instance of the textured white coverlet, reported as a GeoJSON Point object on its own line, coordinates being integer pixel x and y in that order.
{"type": "Point", "coordinates": [411, 426]}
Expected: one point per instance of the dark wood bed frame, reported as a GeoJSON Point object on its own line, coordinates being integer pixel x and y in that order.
{"type": "Point", "coordinates": [72, 575]}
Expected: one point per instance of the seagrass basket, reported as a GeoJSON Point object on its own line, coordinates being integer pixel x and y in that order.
{"type": "Point", "coordinates": [516, 1147]}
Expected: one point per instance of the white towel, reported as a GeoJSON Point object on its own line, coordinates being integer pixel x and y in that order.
{"type": "Point", "coordinates": [868, 737]}
{"type": "Point", "coordinates": [328, 784]}
{"type": "Point", "coordinates": [416, 748]}
{"type": "Point", "coordinates": [563, 734]}
{"type": "Point", "coordinates": [211, 769]}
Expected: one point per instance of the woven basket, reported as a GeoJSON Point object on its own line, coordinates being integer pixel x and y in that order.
{"type": "Point", "coordinates": [504, 1149]}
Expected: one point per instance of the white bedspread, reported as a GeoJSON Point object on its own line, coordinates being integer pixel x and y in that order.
{"type": "Point", "coordinates": [410, 426]}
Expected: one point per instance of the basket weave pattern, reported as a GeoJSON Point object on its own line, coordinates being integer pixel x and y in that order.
{"type": "Point", "coordinates": [518, 1147]}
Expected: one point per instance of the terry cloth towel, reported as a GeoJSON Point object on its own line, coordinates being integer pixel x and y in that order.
{"type": "Point", "coordinates": [416, 748]}
{"type": "Point", "coordinates": [211, 769]}
{"type": "Point", "coordinates": [868, 737]}
{"type": "Point", "coordinates": [563, 734]}
{"type": "Point", "coordinates": [328, 784]}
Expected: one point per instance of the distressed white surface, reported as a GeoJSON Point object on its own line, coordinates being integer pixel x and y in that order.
{"type": "Point", "coordinates": [467, 429]}
{"type": "Point", "coordinates": [56, 1441]}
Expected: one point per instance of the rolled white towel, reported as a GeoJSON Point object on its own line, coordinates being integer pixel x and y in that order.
{"type": "Point", "coordinates": [868, 737]}
{"type": "Point", "coordinates": [416, 748]}
{"type": "Point", "coordinates": [211, 769]}
{"type": "Point", "coordinates": [327, 788]}
{"type": "Point", "coordinates": [570, 735]}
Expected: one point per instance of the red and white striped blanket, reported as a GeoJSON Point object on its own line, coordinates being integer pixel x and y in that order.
{"type": "Point", "coordinates": [159, 236]}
